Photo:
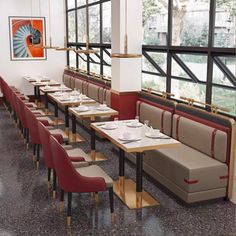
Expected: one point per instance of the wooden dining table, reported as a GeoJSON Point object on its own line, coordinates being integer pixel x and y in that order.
{"type": "Point", "coordinates": [138, 141]}
{"type": "Point", "coordinates": [91, 112]}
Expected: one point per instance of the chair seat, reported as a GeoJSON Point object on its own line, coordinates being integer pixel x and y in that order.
{"type": "Point", "coordinates": [50, 121]}
{"type": "Point", "coordinates": [96, 171]}
{"type": "Point", "coordinates": [61, 132]}
{"type": "Point", "coordinates": [80, 164]}
{"type": "Point", "coordinates": [77, 152]}
{"type": "Point", "coordinates": [38, 113]}
{"type": "Point", "coordinates": [30, 104]}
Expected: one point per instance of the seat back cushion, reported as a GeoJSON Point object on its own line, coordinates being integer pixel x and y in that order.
{"type": "Point", "coordinates": [202, 137]}
{"type": "Point", "coordinates": [66, 80]}
{"type": "Point", "coordinates": [93, 91]}
{"type": "Point", "coordinates": [158, 118]}
{"type": "Point", "coordinates": [72, 82]}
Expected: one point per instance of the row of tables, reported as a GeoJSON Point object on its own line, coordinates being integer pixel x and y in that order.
{"type": "Point", "coordinates": [131, 193]}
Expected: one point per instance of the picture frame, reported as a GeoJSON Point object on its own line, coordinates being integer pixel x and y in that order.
{"type": "Point", "coordinates": [27, 38]}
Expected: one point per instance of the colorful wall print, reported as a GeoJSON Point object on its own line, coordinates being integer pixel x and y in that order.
{"type": "Point", "coordinates": [27, 38]}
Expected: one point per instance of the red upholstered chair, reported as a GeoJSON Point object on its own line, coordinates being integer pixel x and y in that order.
{"type": "Point", "coordinates": [82, 180]}
{"type": "Point", "coordinates": [45, 134]}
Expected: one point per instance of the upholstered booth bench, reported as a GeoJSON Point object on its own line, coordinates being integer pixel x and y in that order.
{"type": "Point", "coordinates": [198, 169]}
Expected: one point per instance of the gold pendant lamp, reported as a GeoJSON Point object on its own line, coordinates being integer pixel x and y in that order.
{"type": "Point", "coordinates": [86, 51]}
{"type": "Point", "coordinates": [126, 54]}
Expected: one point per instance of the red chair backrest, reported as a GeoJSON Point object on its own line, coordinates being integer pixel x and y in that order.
{"type": "Point", "coordinates": [32, 125]}
{"type": "Point", "coordinates": [68, 178]}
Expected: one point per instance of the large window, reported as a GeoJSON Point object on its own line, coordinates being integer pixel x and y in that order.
{"type": "Point", "coordinates": [92, 21]}
{"type": "Point", "coordinates": [188, 46]}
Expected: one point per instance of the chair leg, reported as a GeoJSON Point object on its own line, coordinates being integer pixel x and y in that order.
{"type": "Point", "coordinates": [49, 178]}
{"type": "Point", "coordinates": [27, 139]}
{"type": "Point", "coordinates": [38, 153]}
{"type": "Point", "coordinates": [62, 201]}
{"type": "Point", "coordinates": [69, 209]}
{"type": "Point", "coordinates": [54, 184]}
{"type": "Point", "coordinates": [111, 197]}
{"type": "Point", "coordinates": [34, 152]}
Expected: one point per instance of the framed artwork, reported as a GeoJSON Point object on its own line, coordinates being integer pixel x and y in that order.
{"type": "Point", "coordinates": [27, 38]}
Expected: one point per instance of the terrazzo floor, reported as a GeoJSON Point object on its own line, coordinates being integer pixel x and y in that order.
{"type": "Point", "coordinates": [26, 206]}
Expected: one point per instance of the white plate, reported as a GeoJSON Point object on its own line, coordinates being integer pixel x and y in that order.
{"type": "Point", "coordinates": [80, 110]}
{"type": "Point", "coordinates": [64, 99]}
{"type": "Point", "coordinates": [109, 127]}
{"type": "Point", "coordinates": [132, 138]}
{"type": "Point", "coordinates": [103, 108]}
{"type": "Point", "coordinates": [134, 125]}
{"type": "Point", "coordinates": [150, 135]}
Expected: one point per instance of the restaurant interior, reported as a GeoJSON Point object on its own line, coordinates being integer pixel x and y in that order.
{"type": "Point", "coordinates": [118, 117]}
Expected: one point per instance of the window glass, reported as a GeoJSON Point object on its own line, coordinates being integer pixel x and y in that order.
{"type": "Point", "coordinates": [106, 56]}
{"type": "Point", "coordinates": [230, 63]}
{"type": "Point", "coordinates": [107, 71]}
{"type": "Point", "coordinates": [72, 59]}
{"type": "Point", "coordinates": [190, 23]}
{"type": "Point", "coordinates": [219, 77]}
{"type": "Point", "coordinates": [224, 98]}
{"type": "Point", "coordinates": [71, 27]}
{"type": "Point", "coordinates": [155, 22]}
{"type": "Point", "coordinates": [81, 25]}
{"type": "Point", "coordinates": [94, 24]}
{"type": "Point", "coordinates": [159, 58]}
{"type": "Point", "coordinates": [81, 3]}
{"type": "Point", "coordinates": [196, 63]}
{"type": "Point", "coordinates": [70, 4]}
{"type": "Point", "coordinates": [225, 23]}
{"type": "Point", "coordinates": [106, 18]}
{"type": "Point", "coordinates": [156, 83]}
{"type": "Point", "coordinates": [188, 89]}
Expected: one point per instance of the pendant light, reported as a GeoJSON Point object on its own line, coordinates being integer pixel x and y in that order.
{"type": "Point", "coordinates": [126, 54]}
{"type": "Point", "coordinates": [86, 51]}
{"type": "Point", "coordinates": [65, 48]}
{"type": "Point", "coordinates": [34, 31]}
{"type": "Point", "coordinates": [50, 46]}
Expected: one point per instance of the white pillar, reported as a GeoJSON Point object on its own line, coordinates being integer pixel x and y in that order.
{"type": "Point", "coordinates": [126, 73]}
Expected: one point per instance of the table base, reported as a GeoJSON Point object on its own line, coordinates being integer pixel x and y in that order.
{"type": "Point", "coordinates": [59, 122]}
{"type": "Point", "coordinates": [125, 189]}
{"type": "Point", "coordinates": [48, 113]}
{"type": "Point", "coordinates": [97, 156]}
{"type": "Point", "coordinates": [75, 138]}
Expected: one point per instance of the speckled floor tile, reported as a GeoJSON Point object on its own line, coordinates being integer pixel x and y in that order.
{"type": "Point", "coordinates": [26, 206]}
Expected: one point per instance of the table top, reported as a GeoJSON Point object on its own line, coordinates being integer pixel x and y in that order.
{"type": "Point", "coordinates": [70, 99]}
{"type": "Point", "coordinates": [141, 140]}
{"type": "Point", "coordinates": [53, 89]}
{"type": "Point", "coordinates": [40, 81]}
{"type": "Point", "coordinates": [93, 111]}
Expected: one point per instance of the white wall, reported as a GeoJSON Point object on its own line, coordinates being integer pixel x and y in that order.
{"type": "Point", "coordinates": [12, 71]}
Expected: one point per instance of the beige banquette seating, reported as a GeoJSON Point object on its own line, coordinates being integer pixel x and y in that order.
{"type": "Point", "coordinates": [97, 90]}
{"type": "Point", "coordinates": [198, 169]}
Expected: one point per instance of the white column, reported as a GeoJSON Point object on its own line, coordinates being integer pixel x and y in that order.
{"type": "Point", "coordinates": [126, 73]}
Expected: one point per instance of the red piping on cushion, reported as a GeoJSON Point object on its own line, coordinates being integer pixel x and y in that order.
{"type": "Point", "coordinates": [58, 137]}
{"type": "Point", "coordinates": [139, 106]}
{"type": "Point", "coordinates": [177, 127]}
{"type": "Point", "coordinates": [157, 105]}
{"type": "Point", "coordinates": [76, 159]}
{"type": "Point", "coordinates": [213, 135]}
{"type": "Point", "coordinates": [224, 177]}
{"type": "Point", "coordinates": [44, 122]}
{"type": "Point", "coordinates": [162, 121]}
{"type": "Point", "coordinates": [213, 125]}
{"type": "Point", "coordinates": [188, 181]}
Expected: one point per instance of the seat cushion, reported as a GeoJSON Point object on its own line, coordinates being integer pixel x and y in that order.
{"type": "Point", "coordinates": [96, 171]}
{"type": "Point", "coordinates": [78, 152]}
{"type": "Point", "coordinates": [38, 113]}
{"type": "Point", "coordinates": [49, 120]}
{"type": "Point", "coordinates": [188, 168]}
{"type": "Point", "coordinates": [61, 132]}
